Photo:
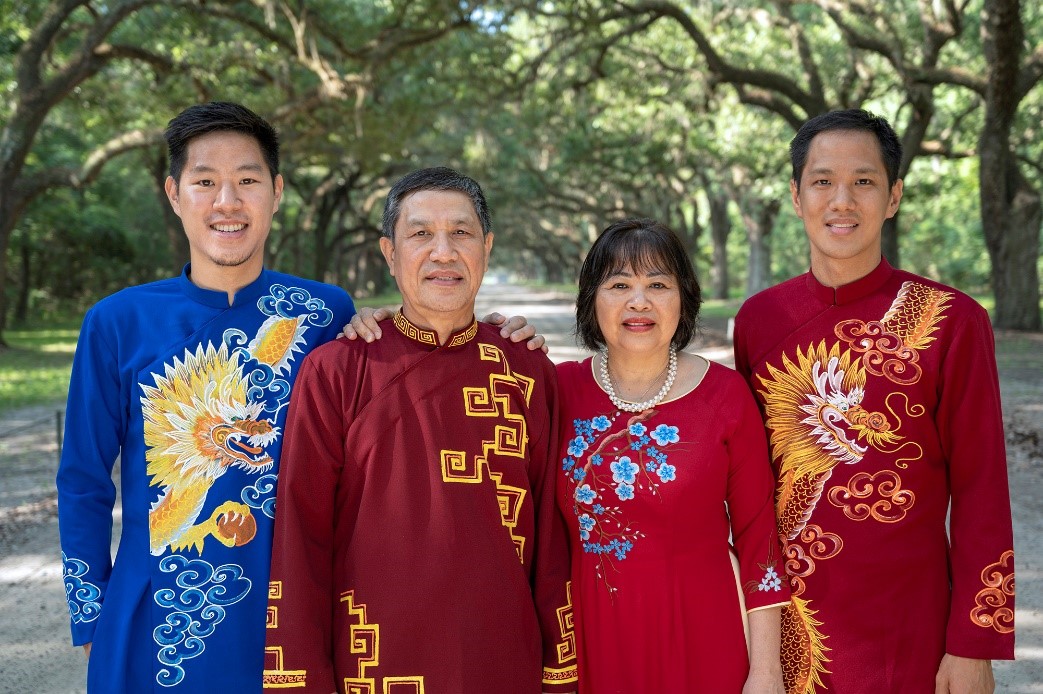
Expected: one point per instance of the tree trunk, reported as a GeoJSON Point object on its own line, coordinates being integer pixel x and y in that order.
{"type": "Point", "coordinates": [759, 223]}
{"type": "Point", "coordinates": [1010, 207]}
{"type": "Point", "coordinates": [720, 228]}
{"type": "Point", "coordinates": [21, 311]}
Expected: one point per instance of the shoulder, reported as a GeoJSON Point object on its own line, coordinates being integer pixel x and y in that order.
{"type": "Point", "coordinates": [518, 354]}
{"type": "Point", "coordinates": [125, 308]}
{"type": "Point", "coordinates": [770, 299]}
{"type": "Point", "coordinates": [950, 297]}
{"type": "Point", "coordinates": [336, 298]}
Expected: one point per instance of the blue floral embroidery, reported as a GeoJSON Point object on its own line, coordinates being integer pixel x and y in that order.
{"type": "Point", "coordinates": [577, 446]}
{"type": "Point", "coordinates": [635, 466]}
{"type": "Point", "coordinates": [664, 434]}
{"type": "Point", "coordinates": [585, 494]}
{"type": "Point", "coordinates": [771, 581]}
{"type": "Point", "coordinates": [666, 472]}
{"type": "Point", "coordinates": [625, 492]}
{"type": "Point", "coordinates": [623, 470]}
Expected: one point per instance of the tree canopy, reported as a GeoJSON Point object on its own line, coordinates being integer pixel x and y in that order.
{"type": "Point", "coordinates": [571, 113]}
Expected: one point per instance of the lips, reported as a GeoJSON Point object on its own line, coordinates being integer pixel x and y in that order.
{"type": "Point", "coordinates": [842, 226]}
{"type": "Point", "coordinates": [638, 324]}
{"type": "Point", "coordinates": [444, 277]}
{"type": "Point", "coordinates": [229, 228]}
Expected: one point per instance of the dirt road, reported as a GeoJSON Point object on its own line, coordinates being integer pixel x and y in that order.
{"type": "Point", "coordinates": [35, 655]}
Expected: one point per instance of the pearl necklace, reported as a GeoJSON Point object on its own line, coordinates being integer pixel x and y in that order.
{"type": "Point", "coordinates": [671, 374]}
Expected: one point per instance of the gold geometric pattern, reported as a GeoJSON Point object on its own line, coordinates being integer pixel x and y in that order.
{"type": "Point", "coordinates": [429, 337]}
{"type": "Point", "coordinates": [276, 676]}
{"type": "Point", "coordinates": [510, 438]}
{"type": "Point", "coordinates": [365, 643]}
{"type": "Point", "coordinates": [567, 648]}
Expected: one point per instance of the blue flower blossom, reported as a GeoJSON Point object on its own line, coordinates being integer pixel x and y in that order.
{"type": "Point", "coordinates": [623, 470]}
{"type": "Point", "coordinates": [584, 534]}
{"type": "Point", "coordinates": [577, 446]}
{"type": "Point", "coordinates": [579, 474]}
{"type": "Point", "coordinates": [586, 522]}
{"type": "Point", "coordinates": [666, 472]}
{"type": "Point", "coordinates": [584, 494]}
{"type": "Point", "coordinates": [567, 464]}
{"type": "Point", "coordinates": [637, 429]}
{"type": "Point", "coordinates": [652, 451]}
{"type": "Point", "coordinates": [635, 445]}
{"type": "Point", "coordinates": [650, 466]}
{"type": "Point", "coordinates": [664, 434]}
{"type": "Point", "coordinates": [598, 509]}
{"type": "Point", "coordinates": [625, 492]}
{"type": "Point", "coordinates": [600, 423]}
{"type": "Point", "coordinates": [596, 459]}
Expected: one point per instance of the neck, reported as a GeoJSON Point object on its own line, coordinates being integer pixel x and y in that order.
{"type": "Point", "coordinates": [837, 273]}
{"type": "Point", "coordinates": [634, 372]}
{"type": "Point", "coordinates": [223, 279]}
{"type": "Point", "coordinates": [441, 324]}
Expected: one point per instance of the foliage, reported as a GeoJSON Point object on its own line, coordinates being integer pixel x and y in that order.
{"type": "Point", "coordinates": [570, 113]}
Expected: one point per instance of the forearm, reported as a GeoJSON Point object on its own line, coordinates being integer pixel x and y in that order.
{"type": "Point", "coordinates": [765, 639]}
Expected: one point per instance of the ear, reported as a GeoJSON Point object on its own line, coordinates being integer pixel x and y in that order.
{"type": "Point", "coordinates": [896, 198]}
{"type": "Point", "coordinates": [387, 247]}
{"type": "Point", "coordinates": [488, 249]}
{"type": "Point", "coordinates": [794, 193]}
{"type": "Point", "coordinates": [278, 182]}
{"type": "Point", "coordinates": [170, 186]}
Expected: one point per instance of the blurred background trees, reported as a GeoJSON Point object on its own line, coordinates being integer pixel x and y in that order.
{"type": "Point", "coordinates": [570, 113]}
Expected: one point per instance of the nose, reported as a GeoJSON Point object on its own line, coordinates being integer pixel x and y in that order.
{"type": "Point", "coordinates": [842, 198]}
{"type": "Point", "coordinates": [442, 250]}
{"type": "Point", "coordinates": [638, 299]}
{"type": "Point", "coordinates": [227, 197]}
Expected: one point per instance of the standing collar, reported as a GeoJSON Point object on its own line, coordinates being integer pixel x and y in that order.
{"type": "Point", "coordinates": [853, 291]}
{"type": "Point", "coordinates": [429, 337]}
{"type": "Point", "coordinates": [219, 299]}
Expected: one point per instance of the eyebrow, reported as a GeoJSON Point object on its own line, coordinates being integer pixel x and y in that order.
{"type": "Point", "coordinates": [423, 222]}
{"type": "Point", "coordinates": [624, 273]}
{"type": "Point", "coordinates": [204, 168]}
{"type": "Point", "coordinates": [828, 171]}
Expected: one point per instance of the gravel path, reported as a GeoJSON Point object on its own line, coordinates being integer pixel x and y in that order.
{"type": "Point", "coordinates": [35, 655]}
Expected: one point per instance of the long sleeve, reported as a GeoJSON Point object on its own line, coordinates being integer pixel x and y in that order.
{"type": "Point", "coordinates": [299, 640]}
{"type": "Point", "coordinates": [552, 590]}
{"type": "Point", "coordinates": [751, 508]}
{"type": "Point", "coordinates": [970, 428]}
{"type": "Point", "coordinates": [95, 421]}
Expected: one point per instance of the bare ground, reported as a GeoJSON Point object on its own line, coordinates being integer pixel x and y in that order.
{"type": "Point", "coordinates": [35, 655]}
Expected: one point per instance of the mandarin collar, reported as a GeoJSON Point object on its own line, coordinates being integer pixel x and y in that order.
{"type": "Point", "coordinates": [853, 291]}
{"type": "Point", "coordinates": [219, 299]}
{"type": "Point", "coordinates": [429, 337]}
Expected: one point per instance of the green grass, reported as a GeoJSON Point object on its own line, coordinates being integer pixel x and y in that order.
{"type": "Point", "coordinates": [35, 368]}
{"type": "Point", "coordinates": [386, 299]}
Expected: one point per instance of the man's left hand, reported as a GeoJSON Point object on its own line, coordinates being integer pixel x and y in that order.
{"type": "Point", "coordinates": [516, 328]}
{"type": "Point", "coordinates": [364, 326]}
{"type": "Point", "coordinates": [958, 675]}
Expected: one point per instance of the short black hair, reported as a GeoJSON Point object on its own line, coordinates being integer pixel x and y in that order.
{"type": "Point", "coordinates": [435, 178]}
{"type": "Point", "coordinates": [852, 119]}
{"type": "Point", "coordinates": [640, 245]}
{"type": "Point", "coordinates": [219, 116]}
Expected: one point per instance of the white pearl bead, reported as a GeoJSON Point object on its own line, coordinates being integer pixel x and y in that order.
{"type": "Point", "coordinates": [671, 374]}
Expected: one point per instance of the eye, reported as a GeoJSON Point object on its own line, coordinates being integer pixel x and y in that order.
{"type": "Point", "coordinates": [206, 183]}
{"type": "Point", "coordinates": [248, 181]}
{"type": "Point", "coordinates": [864, 181]}
{"type": "Point", "coordinates": [821, 182]}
